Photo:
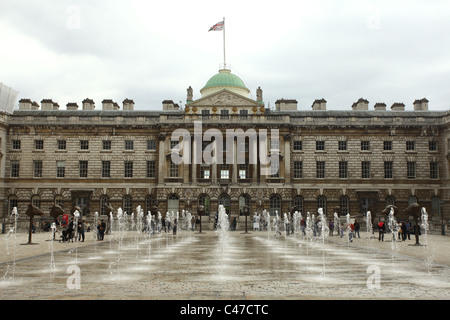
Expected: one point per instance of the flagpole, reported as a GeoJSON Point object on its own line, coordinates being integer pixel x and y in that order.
{"type": "Point", "coordinates": [224, 61]}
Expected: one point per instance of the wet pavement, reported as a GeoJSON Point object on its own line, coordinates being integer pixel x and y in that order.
{"type": "Point", "coordinates": [253, 266]}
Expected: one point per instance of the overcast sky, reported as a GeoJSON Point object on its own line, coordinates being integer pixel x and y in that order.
{"type": "Point", "coordinates": [150, 51]}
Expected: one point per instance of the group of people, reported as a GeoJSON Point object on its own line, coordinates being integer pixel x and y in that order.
{"type": "Point", "coordinates": [75, 230]}
{"type": "Point", "coordinates": [404, 229]}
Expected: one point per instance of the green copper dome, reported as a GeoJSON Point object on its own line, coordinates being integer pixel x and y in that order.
{"type": "Point", "coordinates": [224, 79]}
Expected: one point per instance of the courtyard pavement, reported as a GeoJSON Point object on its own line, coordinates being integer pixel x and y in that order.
{"type": "Point", "coordinates": [258, 265]}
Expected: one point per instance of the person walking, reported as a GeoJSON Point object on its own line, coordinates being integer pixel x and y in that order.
{"type": "Point", "coordinates": [408, 230]}
{"type": "Point", "coordinates": [356, 226]}
{"type": "Point", "coordinates": [80, 230]}
{"type": "Point", "coordinates": [381, 229]}
{"type": "Point", "coordinates": [101, 230]}
{"type": "Point", "coordinates": [331, 227]}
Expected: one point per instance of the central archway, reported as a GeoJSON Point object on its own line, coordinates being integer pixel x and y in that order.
{"type": "Point", "coordinates": [225, 200]}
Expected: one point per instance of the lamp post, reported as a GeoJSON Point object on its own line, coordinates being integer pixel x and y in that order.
{"type": "Point", "coordinates": [5, 209]}
{"type": "Point", "coordinates": [200, 211]}
{"type": "Point", "coordinates": [442, 218]}
{"type": "Point", "coordinates": [246, 211]}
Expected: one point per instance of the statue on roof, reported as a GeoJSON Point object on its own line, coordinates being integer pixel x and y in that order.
{"type": "Point", "coordinates": [259, 93]}
{"type": "Point", "coordinates": [189, 94]}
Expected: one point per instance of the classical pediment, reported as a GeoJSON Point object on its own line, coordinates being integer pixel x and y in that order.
{"type": "Point", "coordinates": [224, 98]}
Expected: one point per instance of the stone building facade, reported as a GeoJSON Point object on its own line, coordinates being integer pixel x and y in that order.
{"type": "Point", "coordinates": [349, 161]}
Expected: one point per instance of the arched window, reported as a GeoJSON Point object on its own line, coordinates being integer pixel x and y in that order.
{"type": "Point", "coordinates": [344, 205]}
{"type": "Point", "coordinates": [36, 201]}
{"type": "Point", "coordinates": [275, 204]}
{"type": "Point", "coordinates": [150, 202]}
{"type": "Point", "coordinates": [322, 203]}
{"type": "Point", "coordinates": [411, 200]}
{"type": "Point", "coordinates": [298, 203]}
{"type": "Point", "coordinates": [173, 203]}
{"type": "Point", "coordinates": [436, 206]}
{"type": "Point", "coordinates": [59, 200]}
{"type": "Point", "coordinates": [127, 204]}
{"type": "Point", "coordinates": [244, 201]}
{"type": "Point", "coordinates": [104, 200]}
{"type": "Point", "coordinates": [390, 201]}
{"type": "Point", "coordinates": [13, 202]}
{"type": "Point", "coordinates": [203, 200]}
{"type": "Point", "coordinates": [225, 200]}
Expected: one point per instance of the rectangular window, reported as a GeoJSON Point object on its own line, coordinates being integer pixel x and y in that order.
{"type": "Point", "coordinates": [343, 169]}
{"type": "Point", "coordinates": [205, 114]}
{"type": "Point", "coordinates": [16, 144]}
{"type": "Point", "coordinates": [274, 144]}
{"type": "Point", "coordinates": [205, 172]}
{"type": "Point", "coordinates": [432, 146]}
{"type": "Point", "coordinates": [39, 144]}
{"type": "Point", "coordinates": [298, 145]}
{"type": "Point", "coordinates": [151, 145]}
{"type": "Point", "coordinates": [298, 169]}
{"type": "Point", "coordinates": [365, 145]}
{"type": "Point", "coordinates": [128, 169]}
{"type": "Point", "coordinates": [411, 169]}
{"type": "Point", "coordinates": [224, 172]}
{"type": "Point", "coordinates": [15, 166]}
{"type": "Point", "coordinates": [224, 114]}
{"type": "Point", "coordinates": [173, 170]}
{"type": "Point", "coordinates": [243, 171]}
{"type": "Point", "coordinates": [37, 169]}
{"type": "Point", "coordinates": [388, 169]}
{"type": "Point", "coordinates": [174, 144]}
{"type": "Point", "coordinates": [60, 169]}
{"type": "Point", "coordinates": [106, 169]}
{"type": "Point", "coordinates": [434, 170]}
{"type": "Point", "coordinates": [320, 145]}
{"type": "Point", "coordinates": [62, 144]}
{"type": "Point", "coordinates": [84, 144]}
{"type": "Point", "coordinates": [106, 144]}
{"type": "Point", "coordinates": [151, 169]}
{"type": "Point", "coordinates": [320, 169]}
{"type": "Point", "coordinates": [410, 145]}
{"type": "Point", "coordinates": [83, 169]}
{"type": "Point", "coordinates": [129, 144]}
{"type": "Point", "coordinates": [243, 114]}
{"type": "Point", "coordinates": [387, 145]}
{"type": "Point", "coordinates": [342, 145]}
{"type": "Point", "coordinates": [365, 169]}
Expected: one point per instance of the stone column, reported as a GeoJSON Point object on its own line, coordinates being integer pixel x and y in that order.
{"type": "Point", "coordinates": [193, 159]}
{"type": "Point", "coordinates": [287, 158]}
{"type": "Point", "coordinates": [162, 158]}
{"type": "Point", "coordinates": [235, 166]}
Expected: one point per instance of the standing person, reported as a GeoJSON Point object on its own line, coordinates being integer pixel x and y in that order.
{"type": "Point", "coordinates": [403, 228]}
{"type": "Point", "coordinates": [192, 223]}
{"type": "Point", "coordinates": [98, 230]}
{"type": "Point", "coordinates": [381, 228]}
{"type": "Point", "coordinates": [101, 229]}
{"type": "Point", "coordinates": [331, 227]}
{"type": "Point", "coordinates": [233, 224]}
{"type": "Point", "coordinates": [356, 225]}
{"type": "Point", "coordinates": [303, 226]}
{"type": "Point", "coordinates": [80, 230]}
{"type": "Point", "coordinates": [408, 230]}
{"type": "Point", "coordinates": [174, 226]}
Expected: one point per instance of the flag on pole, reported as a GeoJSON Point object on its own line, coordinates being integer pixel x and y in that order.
{"type": "Point", "coordinates": [217, 27]}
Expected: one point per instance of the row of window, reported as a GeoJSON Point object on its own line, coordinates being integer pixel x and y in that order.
{"type": "Point", "coordinates": [151, 145]}
{"type": "Point", "coordinates": [365, 145]}
{"type": "Point", "coordinates": [83, 169]}
{"type": "Point", "coordinates": [243, 170]}
{"type": "Point", "coordinates": [366, 170]}
{"type": "Point", "coordinates": [84, 144]}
